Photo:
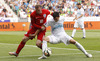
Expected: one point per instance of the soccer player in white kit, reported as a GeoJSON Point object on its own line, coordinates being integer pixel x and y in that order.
{"type": "Point", "coordinates": [59, 35]}
{"type": "Point", "coordinates": [79, 20]}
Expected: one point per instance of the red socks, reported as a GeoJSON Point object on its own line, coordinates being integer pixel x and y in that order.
{"type": "Point", "coordinates": [21, 45]}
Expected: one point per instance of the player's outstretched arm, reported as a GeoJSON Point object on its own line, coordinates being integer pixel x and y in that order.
{"type": "Point", "coordinates": [33, 35]}
{"type": "Point", "coordinates": [37, 31]}
{"type": "Point", "coordinates": [80, 16]}
{"type": "Point", "coordinates": [75, 18]}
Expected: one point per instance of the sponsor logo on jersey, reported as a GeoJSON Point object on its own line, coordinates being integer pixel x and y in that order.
{"type": "Point", "coordinates": [41, 21]}
{"type": "Point", "coordinates": [44, 15]}
{"type": "Point", "coordinates": [57, 26]}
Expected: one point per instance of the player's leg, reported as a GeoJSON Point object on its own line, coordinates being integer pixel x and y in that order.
{"type": "Point", "coordinates": [21, 45]}
{"type": "Point", "coordinates": [74, 30]}
{"type": "Point", "coordinates": [40, 37]}
{"type": "Point", "coordinates": [80, 47]}
{"type": "Point", "coordinates": [84, 33]}
{"type": "Point", "coordinates": [44, 46]}
{"type": "Point", "coordinates": [51, 39]}
{"type": "Point", "coordinates": [41, 44]}
{"type": "Point", "coordinates": [68, 40]}
{"type": "Point", "coordinates": [73, 33]}
{"type": "Point", "coordinates": [81, 25]}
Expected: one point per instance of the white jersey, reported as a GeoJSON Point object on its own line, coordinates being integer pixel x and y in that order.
{"type": "Point", "coordinates": [56, 27]}
{"type": "Point", "coordinates": [79, 13]}
{"type": "Point", "coordinates": [79, 22]}
{"type": "Point", "coordinates": [58, 33]}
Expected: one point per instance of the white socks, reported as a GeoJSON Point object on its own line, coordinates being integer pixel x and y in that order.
{"type": "Point", "coordinates": [73, 33]}
{"type": "Point", "coordinates": [80, 47]}
{"type": "Point", "coordinates": [84, 33]}
{"type": "Point", "coordinates": [44, 46]}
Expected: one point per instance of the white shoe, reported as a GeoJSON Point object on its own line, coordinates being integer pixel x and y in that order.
{"type": "Point", "coordinates": [42, 57]}
{"type": "Point", "coordinates": [89, 55]}
{"type": "Point", "coordinates": [13, 54]}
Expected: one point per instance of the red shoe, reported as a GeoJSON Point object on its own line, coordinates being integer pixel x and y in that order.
{"type": "Point", "coordinates": [13, 54]}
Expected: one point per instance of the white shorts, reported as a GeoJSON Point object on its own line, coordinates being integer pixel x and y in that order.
{"type": "Point", "coordinates": [79, 24]}
{"type": "Point", "coordinates": [55, 40]}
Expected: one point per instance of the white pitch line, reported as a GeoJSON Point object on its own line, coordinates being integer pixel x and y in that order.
{"type": "Point", "coordinates": [51, 47]}
{"type": "Point", "coordinates": [39, 55]}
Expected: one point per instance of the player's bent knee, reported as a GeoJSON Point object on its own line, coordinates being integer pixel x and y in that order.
{"type": "Point", "coordinates": [38, 43]}
{"type": "Point", "coordinates": [72, 41]}
{"type": "Point", "coordinates": [46, 39]}
{"type": "Point", "coordinates": [25, 39]}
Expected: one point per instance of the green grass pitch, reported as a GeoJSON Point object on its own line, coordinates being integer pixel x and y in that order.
{"type": "Point", "coordinates": [60, 52]}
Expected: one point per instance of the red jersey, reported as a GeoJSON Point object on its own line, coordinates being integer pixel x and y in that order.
{"type": "Point", "coordinates": [37, 20]}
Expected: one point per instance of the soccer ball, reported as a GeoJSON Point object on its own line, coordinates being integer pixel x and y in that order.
{"type": "Point", "coordinates": [47, 52]}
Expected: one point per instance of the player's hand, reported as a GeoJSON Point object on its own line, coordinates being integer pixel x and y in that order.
{"type": "Point", "coordinates": [76, 18]}
{"type": "Point", "coordinates": [32, 35]}
{"type": "Point", "coordinates": [42, 28]}
{"type": "Point", "coordinates": [73, 19]}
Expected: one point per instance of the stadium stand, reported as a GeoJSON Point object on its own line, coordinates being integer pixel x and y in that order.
{"type": "Point", "coordinates": [5, 10]}
{"type": "Point", "coordinates": [67, 8]}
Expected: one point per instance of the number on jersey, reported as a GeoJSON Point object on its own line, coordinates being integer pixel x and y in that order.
{"type": "Point", "coordinates": [41, 21]}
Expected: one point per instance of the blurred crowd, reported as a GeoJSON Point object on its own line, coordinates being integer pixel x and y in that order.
{"type": "Point", "coordinates": [4, 12]}
{"type": "Point", "coordinates": [67, 8]}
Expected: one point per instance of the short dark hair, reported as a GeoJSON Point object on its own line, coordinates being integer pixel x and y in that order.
{"type": "Point", "coordinates": [37, 6]}
{"type": "Point", "coordinates": [78, 3]}
{"type": "Point", "coordinates": [55, 14]}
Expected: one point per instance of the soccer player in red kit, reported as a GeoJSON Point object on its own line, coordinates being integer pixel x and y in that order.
{"type": "Point", "coordinates": [38, 18]}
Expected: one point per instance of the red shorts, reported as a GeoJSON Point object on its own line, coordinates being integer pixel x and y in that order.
{"type": "Point", "coordinates": [40, 35]}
